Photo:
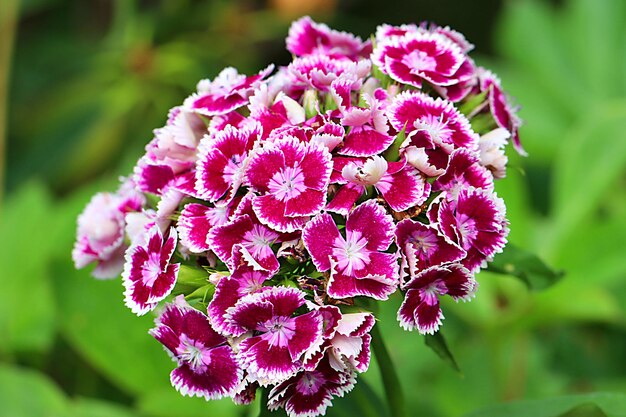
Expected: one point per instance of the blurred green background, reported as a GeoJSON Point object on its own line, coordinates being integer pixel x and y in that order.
{"type": "Point", "coordinates": [82, 85]}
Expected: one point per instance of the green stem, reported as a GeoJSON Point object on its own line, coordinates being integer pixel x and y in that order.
{"type": "Point", "coordinates": [391, 382]}
{"type": "Point", "coordinates": [8, 27]}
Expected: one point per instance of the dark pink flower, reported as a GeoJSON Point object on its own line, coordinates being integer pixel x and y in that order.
{"type": "Point", "coordinates": [148, 275]}
{"type": "Point", "coordinates": [358, 263]}
{"type": "Point", "coordinates": [464, 170]}
{"type": "Point", "coordinates": [420, 309]}
{"type": "Point", "coordinates": [245, 279]}
{"type": "Point", "coordinates": [221, 162]}
{"type": "Point", "coordinates": [206, 363]}
{"type": "Point", "coordinates": [279, 338]}
{"type": "Point", "coordinates": [310, 392]}
{"type": "Point", "coordinates": [422, 246]}
{"type": "Point", "coordinates": [290, 179]}
{"type": "Point", "coordinates": [227, 92]}
{"type": "Point", "coordinates": [307, 37]}
{"type": "Point", "coordinates": [422, 56]}
{"type": "Point", "coordinates": [503, 112]}
{"type": "Point", "coordinates": [195, 222]}
{"type": "Point", "coordinates": [400, 184]}
{"type": "Point", "coordinates": [476, 221]}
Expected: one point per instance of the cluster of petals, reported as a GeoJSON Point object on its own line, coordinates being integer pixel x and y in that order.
{"type": "Point", "coordinates": [299, 196]}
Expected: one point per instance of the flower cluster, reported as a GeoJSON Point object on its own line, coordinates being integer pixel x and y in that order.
{"type": "Point", "coordinates": [271, 207]}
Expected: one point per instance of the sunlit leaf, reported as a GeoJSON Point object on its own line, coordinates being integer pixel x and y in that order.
{"type": "Point", "coordinates": [438, 344]}
{"type": "Point", "coordinates": [167, 402]}
{"type": "Point", "coordinates": [25, 393]}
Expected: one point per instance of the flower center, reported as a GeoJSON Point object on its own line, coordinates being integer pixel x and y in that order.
{"type": "Point", "coordinates": [310, 382]}
{"type": "Point", "coordinates": [429, 293]}
{"type": "Point", "coordinates": [351, 253]}
{"type": "Point", "coordinates": [278, 330]}
{"type": "Point", "coordinates": [151, 269]}
{"type": "Point", "coordinates": [193, 352]}
{"type": "Point", "coordinates": [466, 226]}
{"type": "Point", "coordinates": [287, 183]}
{"type": "Point", "coordinates": [419, 61]}
{"type": "Point", "coordinates": [424, 242]}
{"type": "Point", "coordinates": [258, 241]}
{"type": "Point", "coordinates": [436, 128]}
{"type": "Point", "coordinates": [232, 170]}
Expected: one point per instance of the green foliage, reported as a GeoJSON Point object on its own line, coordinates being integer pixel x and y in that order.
{"type": "Point", "coordinates": [439, 345]}
{"type": "Point", "coordinates": [526, 266]}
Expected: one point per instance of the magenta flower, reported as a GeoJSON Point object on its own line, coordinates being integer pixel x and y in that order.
{"type": "Point", "coordinates": [422, 56]}
{"type": "Point", "coordinates": [196, 221]}
{"type": "Point", "coordinates": [222, 160]}
{"type": "Point", "coordinates": [420, 309]}
{"type": "Point", "coordinates": [358, 263]}
{"type": "Point", "coordinates": [398, 183]}
{"type": "Point", "coordinates": [290, 179]}
{"type": "Point", "coordinates": [246, 278]}
{"type": "Point", "coordinates": [307, 37]}
{"type": "Point", "coordinates": [319, 72]}
{"type": "Point", "coordinates": [464, 170]}
{"type": "Point", "coordinates": [227, 92]}
{"type": "Point", "coordinates": [148, 275]}
{"type": "Point", "coordinates": [476, 220]}
{"type": "Point", "coordinates": [422, 246]}
{"type": "Point", "coordinates": [206, 363]}
{"type": "Point", "coordinates": [503, 113]}
{"type": "Point", "coordinates": [310, 393]}
{"type": "Point", "coordinates": [279, 339]}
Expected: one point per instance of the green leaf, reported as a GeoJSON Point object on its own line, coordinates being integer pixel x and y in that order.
{"type": "Point", "coordinates": [27, 310]}
{"type": "Point", "coordinates": [25, 393]}
{"type": "Point", "coordinates": [525, 266]}
{"type": "Point", "coordinates": [87, 407]}
{"type": "Point", "coordinates": [107, 334]}
{"type": "Point", "coordinates": [362, 401]}
{"type": "Point", "coordinates": [438, 344]}
{"type": "Point", "coordinates": [584, 410]}
{"type": "Point", "coordinates": [169, 403]}
{"type": "Point", "coordinates": [613, 405]}
{"type": "Point", "coordinates": [391, 382]}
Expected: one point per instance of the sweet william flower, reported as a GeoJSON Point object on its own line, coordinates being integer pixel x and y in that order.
{"type": "Point", "coordinates": [206, 363]}
{"type": "Point", "coordinates": [357, 262]}
{"type": "Point", "coordinates": [148, 275]}
{"type": "Point", "coordinates": [279, 337]}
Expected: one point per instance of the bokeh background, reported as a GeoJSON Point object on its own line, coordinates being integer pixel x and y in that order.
{"type": "Point", "coordinates": [84, 82]}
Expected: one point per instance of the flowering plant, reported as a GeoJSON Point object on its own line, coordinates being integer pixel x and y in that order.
{"type": "Point", "coordinates": [272, 209]}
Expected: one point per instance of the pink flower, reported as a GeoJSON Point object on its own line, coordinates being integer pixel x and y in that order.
{"type": "Point", "coordinates": [196, 221]}
{"type": "Point", "coordinates": [476, 221]}
{"type": "Point", "coordinates": [420, 309]}
{"type": "Point", "coordinates": [357, 261]}
{"type": "Point", "coordinates": [100, 233]}
{"type": "Point", "coordinates": [290, 179]}
{"type": "Point", "coordinates": [310, 392]}
{"type": "Point", "coordinates": [422, 56]}
{"type": "Point", "coordinates": [422, 246]}
{"type": "Point", "coordinates": [319, 72]}
{"type": "Point", "coordinates": [148, 275]}
{"type": "Point", "coordinates": [206, 363]}
{"type": "Point", "coordinates": [464, 170]}
{"type": "Point", "coordinates": [279, 338]}
{"type": "Point", "coordinates": [222, 160]}
{"type": "Point", "coordinates": [307, 37]}
{"type": "Point", "coordinates": [227, 92]}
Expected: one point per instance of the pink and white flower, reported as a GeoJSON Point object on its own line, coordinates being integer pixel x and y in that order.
{"type": "Point", "coordinates": [422, 56]}
{"type": "Point", "coordinates": [206, 363]}
{"type": "Point", "coordinates": [148, 275]}
{"type": "Point", "coordinates": [420, 309]}
{"type": "Point", "coordinates": [279, 337]}
{"type": "Point", "coordinates": [422, 246]}
{"type": "Point", "coordinates": [357, 261]}
{"type": "Point", "coordinates": [196, 221]}
{"type": "Point", "coordinates": [290, 179]}
{"type": "Point", "coordinates": [307, 37]}
{"type": "Point", "coordinates": [464, 170]}
{"type": "Point", "coordinates": [227, 92]}
{"type": "Point", "coordinates": [222, 160]}
{"type": "Point", "coordinates": [476, 220]}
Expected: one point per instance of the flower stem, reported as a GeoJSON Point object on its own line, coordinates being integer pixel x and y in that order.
{"type": "Point", "coordinates": [391, 382]}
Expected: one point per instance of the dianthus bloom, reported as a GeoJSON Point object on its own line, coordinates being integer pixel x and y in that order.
{"type": "Point", "coordinates": [278, 206]}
